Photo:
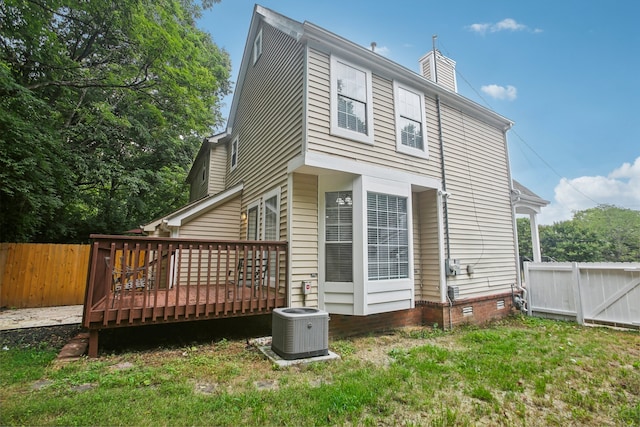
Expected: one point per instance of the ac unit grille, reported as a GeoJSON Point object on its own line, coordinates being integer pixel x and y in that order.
{"type": "Point", "coordinates": [298, 333]}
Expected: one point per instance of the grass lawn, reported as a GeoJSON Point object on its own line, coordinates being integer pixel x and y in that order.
{"type": "Point", "coordinates": [520, 371]}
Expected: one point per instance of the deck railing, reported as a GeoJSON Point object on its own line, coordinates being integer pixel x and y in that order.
{"type": "Point", "coordinates": [144, 280]}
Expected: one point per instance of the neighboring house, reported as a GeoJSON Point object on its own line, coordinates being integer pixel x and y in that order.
{"type": "Point", "coordinates": [393, 191]}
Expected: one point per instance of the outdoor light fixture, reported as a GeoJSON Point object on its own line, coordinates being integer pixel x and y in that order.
{"type": "Point", "coordinates": [243, 216]}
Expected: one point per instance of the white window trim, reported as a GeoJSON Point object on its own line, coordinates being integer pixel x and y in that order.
{"type": "Point", "coordinates": [400, 147]}
{"type": "Point", "coordinates": [265, 197]}
{"type": "Point", "coordinates": [252, 205]}
{"type": "Point", "coordinates": [235, 149]}
{"type": "Point", "coordinates": [257, 46]}
{"type": "Point", "coordinates": [342, 132]}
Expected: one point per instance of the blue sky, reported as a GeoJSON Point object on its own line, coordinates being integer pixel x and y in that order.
{"type": "Point", "coordinates": [566, 72]}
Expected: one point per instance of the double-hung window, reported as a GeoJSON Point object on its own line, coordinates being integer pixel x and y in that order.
{"type": "Point", "coordinates": [410, 121]}
{"type": "Point", "coordinates": [387, 237]}
{"type": "Point", "coordinates": [351, 101]}
{"type": "Point", "coordinates": [339, 236]}
{"type": "Point", "coordinates": [234, 153]}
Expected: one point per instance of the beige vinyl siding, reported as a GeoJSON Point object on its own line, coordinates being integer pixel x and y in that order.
{"type": "Point", "coordinates": [383, 152]}
{"type": "Point", "coordinates": [217, 169]}
{"type": "Point", "coordinates": [220, 223]}
{"type": "Point", "coordinates": [304, 239]}
{"type": "Point", "coordinates": [480, 218]}
{"type": "Point", "coordinates": [198, 185]}
{"type": "Point", "coordinates": [427, 264]}
{"type": "Point", "coordinates": [268, 121]}
{"type": "Point", "coordinates": [159, 233]}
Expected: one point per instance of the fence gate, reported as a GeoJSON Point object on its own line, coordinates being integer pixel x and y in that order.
{"type": "Point", "coordinates": [604, 293]}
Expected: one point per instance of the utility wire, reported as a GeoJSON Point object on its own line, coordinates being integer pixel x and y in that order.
{"type": "Point", "coordinates": [547, 164]}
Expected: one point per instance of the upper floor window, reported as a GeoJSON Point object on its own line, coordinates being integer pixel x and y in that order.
{"type": "Point", "coordinates": [351, 101]}
{"type": "Point", "coordinates": [410, 121]}
{"type": "Point", "coordinates": [257, 46]}
{"type": "Point", "coordinates": [234, 153]}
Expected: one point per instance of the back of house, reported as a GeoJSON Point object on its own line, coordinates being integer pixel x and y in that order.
{"type": "Point", "coordinates": [392, 190]}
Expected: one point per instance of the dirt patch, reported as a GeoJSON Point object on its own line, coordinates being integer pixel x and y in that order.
{"type": "Point", "coordinates": [54, 337]}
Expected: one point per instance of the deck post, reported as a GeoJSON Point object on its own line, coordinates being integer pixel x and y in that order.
{"type": "Point", "coordinates": [93, 343]}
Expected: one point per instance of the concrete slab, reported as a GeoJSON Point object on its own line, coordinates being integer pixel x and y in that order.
{"type": "Point", "coordinates": [264, 345]}
{"type": "Point", "coordinates": [38, 317]}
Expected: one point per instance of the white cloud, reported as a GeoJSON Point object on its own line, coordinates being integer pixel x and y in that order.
{"type": "Point", "coordinates": [621, 187]}
{"type": "Point", "coordinates": [507, 24]}
{"type": "Point", "coordinates": [479, 28]}
{"type": "Point", "coordinates": [500, 92]}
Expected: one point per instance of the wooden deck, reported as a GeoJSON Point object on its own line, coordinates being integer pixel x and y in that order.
{"type": "Point", "coordinates": [139, 281]}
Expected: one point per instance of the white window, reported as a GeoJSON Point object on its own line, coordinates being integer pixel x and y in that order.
{"type": "Point", "coordinates": [387, 237]}
{"type": "Point", "coordinates": [410, 121]}
{"type": "Point", "coordinates": [339, 236]}
{"type": "Point", "coordinates": [351, 102]}
{"type": "Point", "coordinates": [257, 46]}
{"type": "Point", "coordinates": [252, 221]}
{"type": "Point", "coordinates": [234, 153]}
{"type": "Point", "coordinates": [271, 219]}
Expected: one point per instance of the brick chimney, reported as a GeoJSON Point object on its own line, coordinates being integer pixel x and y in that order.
{"type": "Point", "coordinates": [442, 70]}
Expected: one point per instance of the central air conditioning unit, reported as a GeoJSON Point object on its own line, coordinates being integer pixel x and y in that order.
{"type": "Point", "coordinates": [297, 333]}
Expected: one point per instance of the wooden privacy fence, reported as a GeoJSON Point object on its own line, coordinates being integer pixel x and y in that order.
{"type": "Point", "coordinates": [603, 293]}
{"type": "Point", "coordinates": [42, 275]}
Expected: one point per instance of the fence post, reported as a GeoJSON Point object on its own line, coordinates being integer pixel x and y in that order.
{"type": "Point", "coordinates": [527, 283]}
{"type": "Point", "coordinates": [576, 292]}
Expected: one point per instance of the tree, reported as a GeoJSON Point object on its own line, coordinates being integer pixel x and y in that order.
{"type": "Point", "coordinates": [570, 241]}
{"type": "Point", "coordinates": [524, 238]}
{"type": "Point", "coordinates": [619, 227]}
{"type": "Point", "coordinates": [104, 105]}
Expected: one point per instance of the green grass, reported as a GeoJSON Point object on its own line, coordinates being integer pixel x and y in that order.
{"type": "Point", "coordinates": [522, 371]}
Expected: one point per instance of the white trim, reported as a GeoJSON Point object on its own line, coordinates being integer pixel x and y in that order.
{"type": "Point", "coordinates": [346, 133]}
{"type": "Point", "coordinates": [289, 219]}
{"type": "Point", "coordinates": [382, 186]}
{"type": "Point", "coordinates": [400, 147]}
{"type": "Point", "coordinates": [275, 192]}
{"type": "Point", "coordinates": [255, 204]}
{"type": "Point", "coordinates": [342, 164]}
{"type": "Point", "coordinates": [441, 254]}
{"type": "Point", "coordinates": [328, 183]}
{"type": "Point", "coordinates": [182, 216]}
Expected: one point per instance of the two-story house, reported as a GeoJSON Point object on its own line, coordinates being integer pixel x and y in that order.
{"type": "Point", "coordinates": [392, 190]}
